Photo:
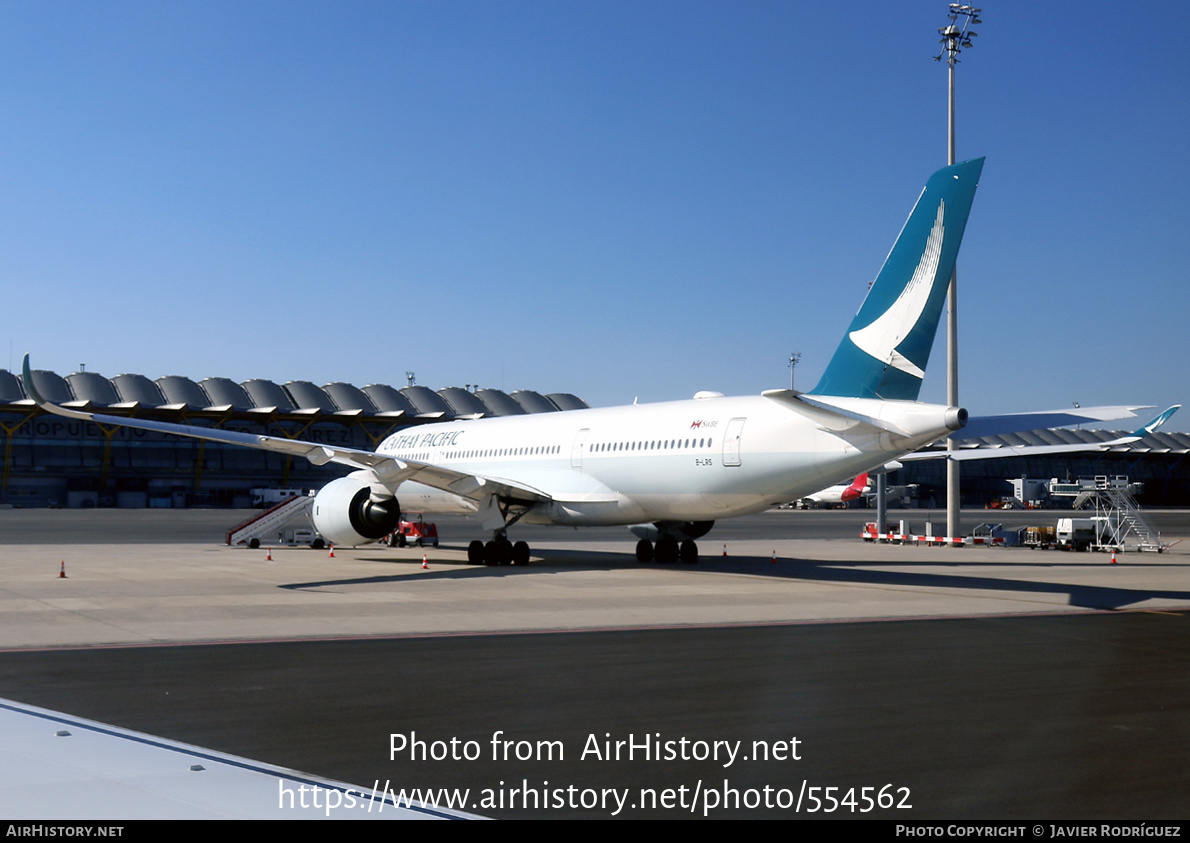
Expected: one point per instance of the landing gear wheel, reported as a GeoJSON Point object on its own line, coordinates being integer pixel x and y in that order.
{"type": "Point", "coordinates": [520, 553]}
{"type": "Point", "coordinates": [689, 552]}
{"type": "Point", "coordinates": [667, 550]}
{"type": "Point", "coordinates": [644, 551]}
{"type": "Point", "coordinates": [475, 553]}
{"type": "Point", "coordinates": [498, 552]}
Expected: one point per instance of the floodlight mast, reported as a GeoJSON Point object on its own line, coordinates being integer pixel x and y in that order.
{"type": "Point", "coordinates": [954, 40]}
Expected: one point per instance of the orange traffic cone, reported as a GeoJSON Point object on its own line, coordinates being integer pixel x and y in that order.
{"type": "Point", "coordinates": [269, 558]}
{"type": "Point", "coordinates": [1113, 556]}
{"type": "Point", "coordinates": [62, 571]}
{"type": "Point", "coordinates": [725, 551]}
{"type": "Point", "coordinates": [332, 552]}
{"type": "Point", "coordinates": [425, 566]}
{"type": "Point", "coordinates": [774, 557]}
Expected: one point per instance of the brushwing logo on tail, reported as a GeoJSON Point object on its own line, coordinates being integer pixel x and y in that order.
{"type": "Point", "coordinates": [882, 336]}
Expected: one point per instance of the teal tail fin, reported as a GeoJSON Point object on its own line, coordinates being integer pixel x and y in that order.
{"type": "Point", "coordinates": [885, 351]}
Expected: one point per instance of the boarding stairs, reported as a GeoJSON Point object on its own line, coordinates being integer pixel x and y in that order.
{"type": "Point", "coordinates": [272, 521]}
{"type": "Point", "coordinates": [1116, 507]}
{"type": "Point", "coordinates": [1131, 519]}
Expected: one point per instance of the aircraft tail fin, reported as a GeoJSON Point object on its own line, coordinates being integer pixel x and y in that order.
{"type": "Point", "coordinates": [856, 488]}
{"type": "Point", "coordinates": [885, 351]}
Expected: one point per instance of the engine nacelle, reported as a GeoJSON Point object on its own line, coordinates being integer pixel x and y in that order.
{"type": "Point", "coordinates": [345, 514]}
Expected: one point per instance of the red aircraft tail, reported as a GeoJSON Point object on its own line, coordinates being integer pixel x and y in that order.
{"type": "Point", "coordinates": [855, 489]}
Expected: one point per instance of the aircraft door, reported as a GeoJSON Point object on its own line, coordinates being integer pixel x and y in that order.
{"type": "Point", "coordinates": [576, 450]}
{"type": "Point", "coordinates": [731, 442]}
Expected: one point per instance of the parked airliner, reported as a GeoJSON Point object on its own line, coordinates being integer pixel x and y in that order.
{"type": "Point", "coordinates": [673, 468]}
{"type": "Point", "coordinates": [668, 470]}
{"type": "Point", "coordinates": [840, 493]}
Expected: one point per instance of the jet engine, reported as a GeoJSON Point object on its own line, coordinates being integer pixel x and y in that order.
{"type": "Point", "coordinates": [346, 514]}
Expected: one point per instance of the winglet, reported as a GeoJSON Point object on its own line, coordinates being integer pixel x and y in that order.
{"type": "Point", "coordinates": [27, 378]}
{"type": "Point", "coordinates": [1151, 427]}
{"type": "Point", "coordinates": [40, 400]}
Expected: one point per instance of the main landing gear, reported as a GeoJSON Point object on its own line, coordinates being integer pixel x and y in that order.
{"type": "Point", "coordinates": [499, 551]}
{"type": "Point", "coordinates": [667, 551]}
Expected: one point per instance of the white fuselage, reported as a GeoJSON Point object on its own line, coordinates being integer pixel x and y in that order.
{"type": "Point", "coordinates": [696, 460]}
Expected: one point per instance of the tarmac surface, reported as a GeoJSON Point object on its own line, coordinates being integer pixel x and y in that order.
{"type": "Point", "coordinates": [967, 683]}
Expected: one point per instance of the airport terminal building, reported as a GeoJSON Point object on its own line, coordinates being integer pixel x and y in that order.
{"type": "Point", "coordinates": [54, 461]}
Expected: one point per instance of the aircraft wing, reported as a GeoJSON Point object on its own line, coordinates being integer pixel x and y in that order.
{"type": "Point", "coordinates": [978, 426]}
{"type": "Point", "coordinates": [388, 470]}
{"type": "Point", "coordinates": [993, 452]}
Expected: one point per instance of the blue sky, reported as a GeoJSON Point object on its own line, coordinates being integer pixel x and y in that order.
{"type": "Point", "coordinates": [617, 199]}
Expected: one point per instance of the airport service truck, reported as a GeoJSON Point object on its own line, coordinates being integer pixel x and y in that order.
{"type": "Point", "coordinates": [1086, 533]}
{"type": "Point", "coordinates": [419, 532]}
{"type": "Point", "coordinates": [270, 497]}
